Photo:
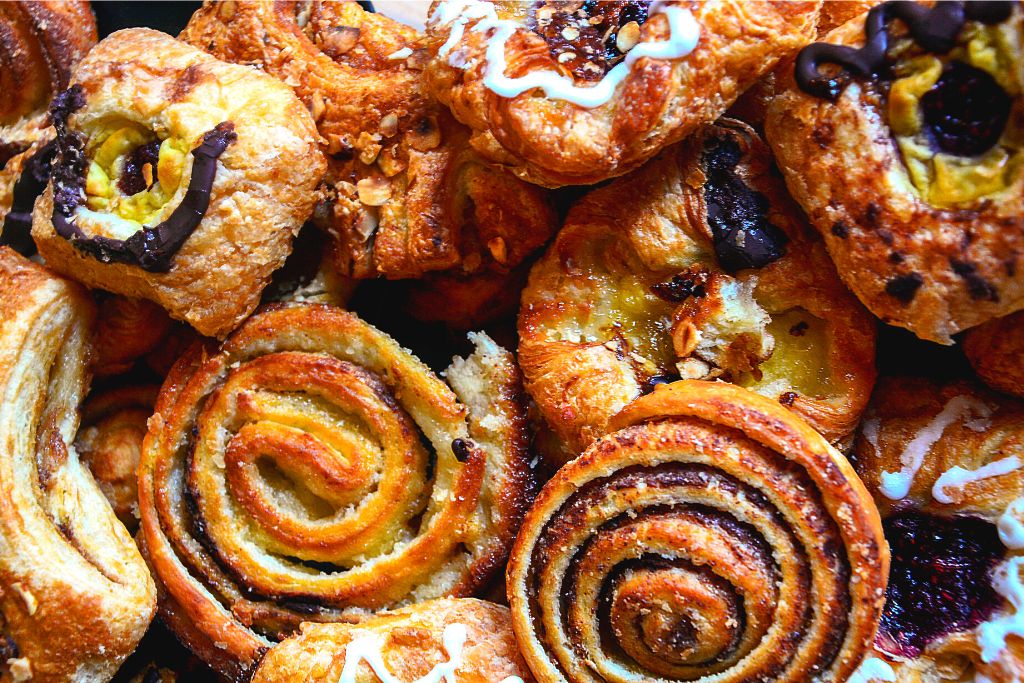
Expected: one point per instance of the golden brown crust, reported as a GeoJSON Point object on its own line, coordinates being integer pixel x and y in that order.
{"type": "Point", "coordinates": [76, 596]}
{"type": "Point", "coordinates": [996, 352]}
{"type": "Point", "coordinates": [930, 267]}
{"type": "Point", "coordinates": [410, 645]}
{"type": "Point", "coordinates": [594, 329]}
{"type": "Point", "coordinates": [961, 425]}
{"type": "Point", "coordinates": [274, 527]}
{"type": "Point", "coordinates": [555, 142]}
{"type": "Point", "coordinates": [706, 501]}
{"type": "Point", "coordinates": [837, 12]}
{"type": "Point", "coordinates": [126, 330]}
{"type": "Point", "coordinates": [262, 191]}
{"type": "Point", "coordinates": [405, 193]}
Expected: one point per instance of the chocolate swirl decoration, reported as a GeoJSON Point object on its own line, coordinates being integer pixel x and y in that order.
{"type": "Point", "coordinates": [712, 536]}
{"type": "Point", "coordinates": [935, 29]}
{"type": "Point", "coordinates": [313, 470]}
{"type": "Point", "coordinates": [152, 248]}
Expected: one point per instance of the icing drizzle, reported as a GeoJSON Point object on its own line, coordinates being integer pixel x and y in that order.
{"type": "Point", "coordinates": [151, 248]}
{"type": "Point", "coordinates": [992, 634]}
{"type": "Point", "coordinates": [873, 669]}
{"type": "Point", "coordinates": [935, 29]}
{"type": "Point", "coordinates": [958, 477]}
{"type": "Point", "coordinates": [684, 33]}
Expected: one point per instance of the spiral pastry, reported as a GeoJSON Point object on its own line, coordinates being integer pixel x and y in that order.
{"type": "Point", "coordinates": [697, 266]}
{"type": "Point", "coordinates": [405, 193]}
{"type": "Point", "coordinates": [713, 536]}
{"type": "Point", "coordinates": [127, 329]}
{"type": "Point", "coordinates": [75, 596]}
{"type": "Point", "coordinates": [313, 470]}
{"type": "Point", "coordinates": [996, 352]}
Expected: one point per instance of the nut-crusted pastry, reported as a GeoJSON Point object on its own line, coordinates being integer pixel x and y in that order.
{"type": "Point", "coordinates": [313, 470]}
{"type": "Point", "coordinates": [127, 329]}
{"type": "Point", "coordinates": [405, 193]}
{"type": "Point", "coordinates": [179, 178]}
{"type": "Point", "coordinates": [700, 266]}
{"type": "Point", "coordinates": [463, 640]}
{"type": "Point", "coordinates": [75, 596]}
{"type": "Point", "coordinates": [40, 41]}
{"type": "Point", "coordinates": [109, 441]}
{"type": "Point", "coordinates": [944, 463]}
{"type": "Point", "coordinates": [903, 139]}
{"type": "Point", "coordinates": [568, 93]}
{"type": "Point", "coordinates": [996, 352]}
{"type": "Point", "coordinates": [711, 536]}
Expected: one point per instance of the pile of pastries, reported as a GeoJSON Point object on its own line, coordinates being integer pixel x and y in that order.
{"type": "Point", "coordinates": [554, 342]}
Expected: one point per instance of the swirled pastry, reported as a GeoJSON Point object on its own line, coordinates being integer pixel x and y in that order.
{"type": "Point", "coordinates": [40, 42]}
{"type": "Point", "coordinates": [109, 441]}
{"type": "Point", "coordinates": [914, 177]}
{"type": "Point", "coordinates": [405, 193]}
{"type": "Point", "coordinates": [698, 265]}
{"type": "Point", "coordinates": [711, 536]}
{"type": "Point", "coordinates": [996, 352]}
{"type": "Point", "coordinates": [944, 465]}
{"type": "Point", "coordinates": [571, 93]}
{"type": "Point", "coordinates": [313, 470]}
{"type": "Point", "coordinates": [127, 329]}
{"type": "Point", "coordinates": [178, 178]}
{"type": "Point", "coordinates": [464, 640]}
{"type": "Point", "coordinates": [75, 596]}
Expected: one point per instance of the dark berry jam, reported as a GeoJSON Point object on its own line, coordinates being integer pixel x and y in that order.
{"type": "Point", "coordinates": [133, 180]}
{"type": "Point", "coordinates": [940, 581]}
{"type": "Point", "coordinates": [966, 111]}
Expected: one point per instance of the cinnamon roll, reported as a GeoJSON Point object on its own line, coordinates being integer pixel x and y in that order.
{"type": "Point", "coordinates": [572, 93]}
{"type": "Point", "coordinates": [406, 195]}
{"type": "Point", "coordinates": [902, 137]}
{"type": "Point", "coordinates": [75, 596]}
{"type": "Point", "coordinates": [178, 178]}
{"type": "Point", "coordinates": [127, 329]}
{"type": "Point", "coordinates": [313, 470]}
{"type": "Point", "coordinates": [710, 536]}
{"type": "Point", "coordinates": [696, 266]}
{"type": "Point", "coordinates": [462, 640]}
{"type": "Point", "coordinates": [944, 465]}
{"type": "Point", "coordinates": [996, 352]}
{"type": "Point", "coordinates": [40, 42]}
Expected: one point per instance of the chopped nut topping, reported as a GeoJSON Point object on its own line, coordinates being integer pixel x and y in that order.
{"type": "Point", "coordinates": [368, 146]}
{"type": "Point", "coordinates": [570, 33]}
{"type": "Point", "coordinates": [629, 36]}
{"type": "Point", "coordinates": [566, 57]}
{"type": "Point", "coordinates": [389, 125]}
{"type": "Point", "coordinates": [373, 191]}
{"type": "Point", "coordinates": [317, 106]}
{"type": "Point", "coordinates": [227, 9]}
{"type": "Point", "coordinates": [498, 249]}
{"type": "Point", "coordinates": [390, 163]}
{"type": "Point", "coordinates": [20, 669]}
{"type": "Point", "coordinates": [338, 40]}
{"type": "Point", "coordinates": [424, 135]}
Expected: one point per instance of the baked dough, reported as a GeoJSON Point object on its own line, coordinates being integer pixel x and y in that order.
{"type": "Point", "coordinates": [553, 141]}
{"type": "Point", "coordinates": [75, 596]}
{"type": "Point", "coordinates": [218, 161]}
{"type": "Point", "coordinates": [650, 280]}
{"type": "Point", "coordinates": [126, 330]}
{"type": "Point", "coordinates": [916, 182]}
{"type": "Point", "coordinates": [710, 536]}
{"type": "Point", "coordinates": [996, 352]}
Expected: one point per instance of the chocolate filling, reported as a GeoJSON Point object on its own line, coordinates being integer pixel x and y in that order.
{"type": "Point", "coordinates": [17, 227]}
{"type": "Point", "coordinates": [151, 248]}
{"type": "Point", "coordinates": [933, 28]}
{"type": "Point", "coordinates": [966, 111]}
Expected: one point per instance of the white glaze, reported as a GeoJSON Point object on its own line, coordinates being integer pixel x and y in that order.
{"type": "Point", "coordinates": [958, 477]}
{"type": "Point", "coordinates": [1011, 530]}
{"type": "Point", "coordinates": [896, 485]}
{"type": "Point", "coordinates": [683, 36]}
{"type": "Point", "coordinates": [873, 669]}
{"type": "Point", "coordinates": [992, 634]}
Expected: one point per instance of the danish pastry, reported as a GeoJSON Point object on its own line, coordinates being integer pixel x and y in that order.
{"type": "Point", "coordinates": [405, 193]}
{"type": "Point", "coordinates": [696, 266]}
{"type": "Point", "coordinates": [710, 536]}
{"type": "Point", "coordinates": [178, 178]}
{"type": "Point", "coordinates": [127, 329]}
{"type": "Point", "coordinates": [461, 640]}
{"type": "Point", "coordinates": [996, 352]}
{"type": "Point", "coordinates": [75, 596]}
{"type": "Point", "coordinates": [40, 42]}
{"type": "Point", "coordinates": [313, 470]}
{"type": "Point", "coordinates": [902, 137]}
{"type": "Point", "coordinates": [572, 93]}
{"type": "Point", "coordinates": [944, 465]}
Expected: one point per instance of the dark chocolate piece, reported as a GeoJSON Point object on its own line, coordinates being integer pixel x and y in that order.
{"type": "Point", "coordinates": [904, 287]}
{"type": "Point", "coordinates": [966, 111]}
{"type": "Point", "coordinates": [17, 227]}
{"type": "Point", "coordinates": [462, 449]}
{"type": "Point", "coordinates": [680, 288]}
{"type": "Point", "coordinates": [132, 179]}
{"type": "Point", "coordinates": [978, 287]}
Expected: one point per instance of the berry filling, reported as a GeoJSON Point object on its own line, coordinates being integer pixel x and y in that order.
{"type": "Point", "coordinates": [136, 177]}
{"type": "Point", "coordinates": [966, 111]}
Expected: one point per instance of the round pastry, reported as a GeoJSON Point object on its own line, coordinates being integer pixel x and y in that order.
{"type": "Point", "coordinates": [76, 597]}
{"type": "Point", "coordinates": [944, 465]}
{"type": "Point", "coordinates": [463, 640]}
{"type": "Point", "coordinates": [405, 193]}
{"type": "Point", "coordinates": [126, 330]}
{"type": "Point", "coordinates": [996, 352]}
{"type": "Point", "coordinates": [39, 44]}
{"type": "Point", "coordinates": [572, 93]}
{"type": "Point", "coordinates": [313, 470]}
{"type": "Point", "coordinates": [178, 178]}
{"type": "Point", "coordinates": [902, 137]}
{"type": "Point", "coordinates": [711, 536]}
{"type": "Point", "coordinates": [109, 441]}
{"type": "Point", "coordinates": [696, 266]}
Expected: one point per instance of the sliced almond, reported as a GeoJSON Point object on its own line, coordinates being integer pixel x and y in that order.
{"type": "Point", "coordinates": [374, 191]}
{"type": "Point", "coordinates": [628, 37]}
{"type": "Point", "coordinates": [389, 125]}
{"type": "Point", "coordinates": [338, 40]}
{"type": "Point", "coordinates": [424, 134]}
